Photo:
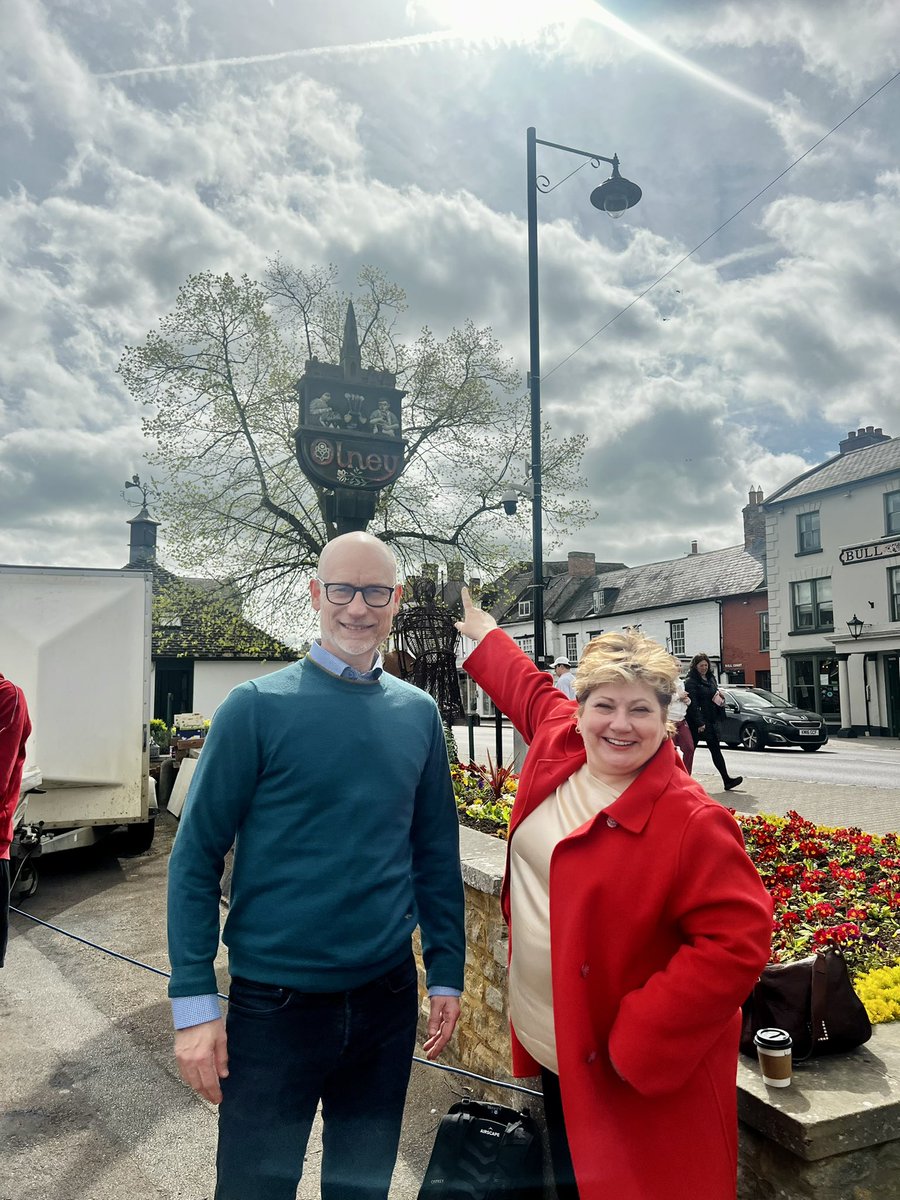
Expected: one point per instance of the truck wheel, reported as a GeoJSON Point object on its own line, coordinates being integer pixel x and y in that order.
{"type": "Point", "coordinates": [137, 838]}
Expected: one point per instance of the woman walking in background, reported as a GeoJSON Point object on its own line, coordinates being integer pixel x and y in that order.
{"type": "Point", "coordinates": [704, 713]}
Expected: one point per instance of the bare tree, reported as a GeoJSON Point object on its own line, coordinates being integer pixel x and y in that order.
{"type": "Point", "coordinates": [218, 376]}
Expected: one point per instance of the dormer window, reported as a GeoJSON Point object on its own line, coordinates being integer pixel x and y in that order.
{"type": "Point", "coordinates": [524, 608]}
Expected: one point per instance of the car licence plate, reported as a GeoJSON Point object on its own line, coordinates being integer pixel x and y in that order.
{"type": "Point", "coordinates": [809, 733]}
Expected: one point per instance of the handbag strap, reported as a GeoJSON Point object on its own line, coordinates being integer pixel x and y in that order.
{"type": "Point", "coordinates": [819, 1030]}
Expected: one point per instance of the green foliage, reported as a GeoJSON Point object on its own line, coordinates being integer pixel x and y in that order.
{"type": "Point", "coordinates": [161, 734]}
{"type": "Point", "coordinates": [217, 380]}
{"type": "Point", "coordinates": [450, 739]}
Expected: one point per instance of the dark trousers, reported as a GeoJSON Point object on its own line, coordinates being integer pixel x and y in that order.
{"type": "Point", "coordinates": [560, 1158]}
{"type": "Point", "coordinates": [289, 1050]}
{"type": "Point", "coordinates": [715, 750]}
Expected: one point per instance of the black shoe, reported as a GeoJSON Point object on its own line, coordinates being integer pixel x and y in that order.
{"type": "Point", "coordinates": [733, 783]}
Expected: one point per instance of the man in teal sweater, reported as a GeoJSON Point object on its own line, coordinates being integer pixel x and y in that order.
{"type": "Point", "coordinates": [330, 778]}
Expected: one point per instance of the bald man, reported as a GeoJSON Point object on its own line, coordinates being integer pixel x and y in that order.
{"type": "Point", "coordinates": [330, 778]}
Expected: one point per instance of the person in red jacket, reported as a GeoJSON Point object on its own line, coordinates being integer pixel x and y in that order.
{"type": "Point", "coordinates": [14, 730]}
{"type": "Point", "coordinates": [638, 925]}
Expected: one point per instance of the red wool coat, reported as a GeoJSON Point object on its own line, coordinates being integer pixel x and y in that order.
{"type": "Point", "coordinates": [659, 928]}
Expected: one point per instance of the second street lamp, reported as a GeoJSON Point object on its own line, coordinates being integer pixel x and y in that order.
{"type": "Point", "coordinates": [612, 197]}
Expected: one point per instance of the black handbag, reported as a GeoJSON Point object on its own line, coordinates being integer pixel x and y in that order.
{"type": "Point", "coordinates": [485, 1151]}
{"type": "Point", "coordinates": [813, 999]}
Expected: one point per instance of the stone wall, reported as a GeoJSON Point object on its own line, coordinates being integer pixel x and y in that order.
{"type": "Point", "coordinates": [834, 1134]}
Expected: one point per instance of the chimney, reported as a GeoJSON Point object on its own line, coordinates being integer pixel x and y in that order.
{"type": "Point", "coordinates": [754, 519]}
{"type": "Point", "coordinates": [581, 565]}
{"type": "Point", "coordinates": [430, 571]}
{"type": "Point", "coordinates": [694, 548]}
{"type": "Point", "coordinates": [142, 545]}
{"type": "Point", "coordinates": [861, 438]}
{"type": "Point", "coordinates": [456, 571]}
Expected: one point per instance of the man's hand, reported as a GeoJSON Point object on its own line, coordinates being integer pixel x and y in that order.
{"type": "Point", "coordinates": [441, 1023]}
{"type": "Point", "coordinates": [202, 1055]}
{"type": "Point", "coordinates": [475, 623]}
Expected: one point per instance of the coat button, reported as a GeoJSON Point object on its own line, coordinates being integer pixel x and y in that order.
{"type": "Point", "coordinates": [585, 970]}
{"type": "Point", "coordinates": [591, 1057]}
{"type": "Point", "coordinates": [611, 822]}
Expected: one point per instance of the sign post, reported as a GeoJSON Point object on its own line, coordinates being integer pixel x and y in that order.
{"type": "Point", "coordinates": [349, 439]}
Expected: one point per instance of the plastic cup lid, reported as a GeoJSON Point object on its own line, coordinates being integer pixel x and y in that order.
{"type": "Point", "coordinates": [773, 1039]}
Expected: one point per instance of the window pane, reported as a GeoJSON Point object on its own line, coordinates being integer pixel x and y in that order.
{"type": "Point", "coordinates": [892, 513]}
{"type": "Point", "coordinates": [677, 635]}
{"type": "Point", "coordinates": [825, 612]}
{"type": "Point", "coordinates": [894, 584]}
{"type": "Point", "coordinates": [572, 647]}
{"type": "Point", "coordinates": [803, 688]}
{"type": "Point", "coordinates": [808, 531]}
{"type": "Point", "coordinates": [763, 631]}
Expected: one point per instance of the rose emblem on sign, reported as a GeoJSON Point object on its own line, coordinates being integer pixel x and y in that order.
{"type": "Point", "coordinates": [323, 452]}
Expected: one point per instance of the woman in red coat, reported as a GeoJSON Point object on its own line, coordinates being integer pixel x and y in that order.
{"type": "Point", "coordinates": [638, 925]}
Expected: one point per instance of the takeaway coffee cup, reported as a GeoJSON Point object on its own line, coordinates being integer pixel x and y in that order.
{"type": "Point", "coordinates": [773, 1048]}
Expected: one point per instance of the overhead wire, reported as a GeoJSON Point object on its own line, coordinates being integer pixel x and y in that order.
{"type": "Point", "coordinates": [719, 228]}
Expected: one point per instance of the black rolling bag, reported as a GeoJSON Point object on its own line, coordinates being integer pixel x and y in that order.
{"type": "Point", "coordinates": [484, 1152]}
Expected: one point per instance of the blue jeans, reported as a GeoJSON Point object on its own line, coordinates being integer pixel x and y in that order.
{"type": "Point", "coordinates": [287, 1051]}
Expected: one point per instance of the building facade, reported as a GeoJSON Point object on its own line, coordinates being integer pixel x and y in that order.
{"type": "Point", "coordinates": [833, 556]}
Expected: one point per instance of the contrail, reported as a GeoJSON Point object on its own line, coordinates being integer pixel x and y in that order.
{"type": "Point", "coordinates": [204, 64]}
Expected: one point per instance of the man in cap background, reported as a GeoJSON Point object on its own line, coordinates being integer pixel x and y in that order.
{"type": "Point", "coordinates": [565, 677]}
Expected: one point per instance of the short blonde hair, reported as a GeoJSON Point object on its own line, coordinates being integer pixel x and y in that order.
{"type": "Point", "coordinates": [627, 657]}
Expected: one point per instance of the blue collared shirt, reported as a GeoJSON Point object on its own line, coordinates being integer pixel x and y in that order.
{"type": "Point", "coordinates": [195, 1010]}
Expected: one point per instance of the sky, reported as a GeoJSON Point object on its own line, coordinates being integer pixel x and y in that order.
{"type": "Point", "coordinates": [142, 142]}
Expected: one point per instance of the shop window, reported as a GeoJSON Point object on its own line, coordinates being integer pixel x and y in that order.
{"type": "Point", "coordinates": [809, 538]}
{"type": "Point", "coordinates": [811, 606]}
{"type": "Point", "coordinates": [814, 685]}
{"type": "Point", "coordinates": [764, 680]}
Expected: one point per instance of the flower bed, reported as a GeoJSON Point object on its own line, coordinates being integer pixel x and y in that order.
{"type": "Point", "coordinates": [828, 885]}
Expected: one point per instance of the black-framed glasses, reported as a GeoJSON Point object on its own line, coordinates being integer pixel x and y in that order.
{"type": "Point", "coordinates": [376, 595]}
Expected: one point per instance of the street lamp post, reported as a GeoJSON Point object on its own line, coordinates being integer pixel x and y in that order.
{"type": "Point", "coordinates": [612, 197]}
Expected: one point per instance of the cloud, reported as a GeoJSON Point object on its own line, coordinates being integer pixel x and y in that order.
{"type": "Point", "coordinates": [741, 367]}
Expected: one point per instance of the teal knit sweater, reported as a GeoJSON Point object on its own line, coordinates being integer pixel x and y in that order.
{"type": "Point", "coordinates": [337, 798]}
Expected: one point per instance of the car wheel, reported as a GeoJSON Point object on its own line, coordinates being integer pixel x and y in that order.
{"type": "Point", "coordinates": [751, 739]}
{"type": "Point", "coordinates": [809, 749]}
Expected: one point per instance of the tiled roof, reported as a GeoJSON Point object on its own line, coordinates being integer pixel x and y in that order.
{"type": "Point", "coordinates": [881, 459]}
{"type": "Point", "coordinates": [714, 575]}
{"type": "Point", "coordinates": [205, 625]}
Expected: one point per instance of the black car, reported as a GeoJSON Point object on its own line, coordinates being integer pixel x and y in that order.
{"type": "Point", "coordinates": [754, 718]}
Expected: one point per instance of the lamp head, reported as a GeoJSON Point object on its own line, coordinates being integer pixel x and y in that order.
{"type": "Point", "coordinates": [855, 626]}
{"type": "Point", "coordinates": [617, 194]}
